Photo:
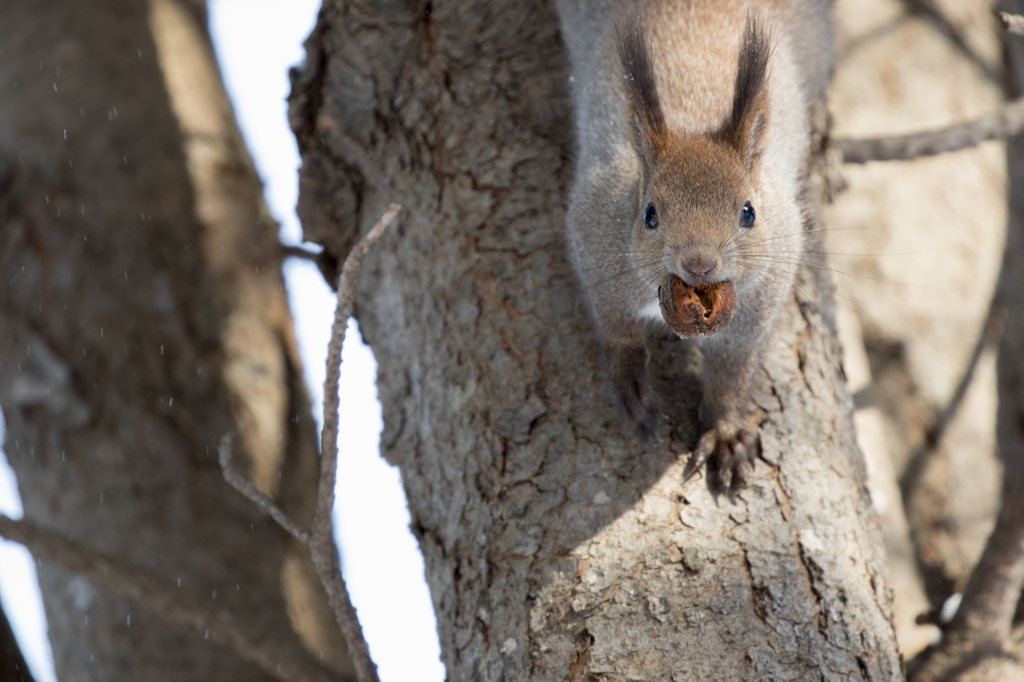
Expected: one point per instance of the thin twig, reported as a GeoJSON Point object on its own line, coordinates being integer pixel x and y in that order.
{"type": "Point", "coordinates": [1005, 123]}
{"type": "Point", "coordinates": [321, 542]}
{"type": "Point", "coordinates": [1012, 23]}
{"type": "Point", "coordinates": [249, 489]}
{"type": "Point", "coordinates": [321, 538]}
{"type": "Point", "coordinates": [991, 333]}
{"type": "Point", "coordinates": [955, 36]}
{"type": "Point", "coordinates": [298, 252]}
{"type": "Point", "coordinates": [275, 659]}
{"type": "Point", "coordinates": [324, 261]}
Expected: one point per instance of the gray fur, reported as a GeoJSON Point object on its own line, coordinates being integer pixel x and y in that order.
{"type": "Point", "coordinates": [698, 182]}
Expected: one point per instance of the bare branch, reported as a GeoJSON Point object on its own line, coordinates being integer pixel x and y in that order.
{"type": "Point", "coordinates": [321, 539]}
{"type": "Point", "coordinates": [1005, 123]}
{"type": "Point", "coordinates": [297, 252]}
{"type": "Point", "coordinates": [321, 542]}
{"type": "Point", "coordinates": [991, 596]}
{"type": "Point", "coordinates": [275, 659]}
{"type": "Point", "coordinates": [324, 261]}
{"type": "Point", "coordinates": [1012, 23]}
{"type": "Point", "coordinates": [249, 489]}
{"type": "Point", "coordinates": [989, 338]}
{"type": "Point", "coordinates": [954, 35]}
{"type": "Point", "coordinates": [981, 629]}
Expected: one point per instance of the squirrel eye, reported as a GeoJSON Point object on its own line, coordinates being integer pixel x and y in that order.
{"type": "Point", "coordinates": [651, 217]}
{"type": "Point", "coordinates": [747, 215]}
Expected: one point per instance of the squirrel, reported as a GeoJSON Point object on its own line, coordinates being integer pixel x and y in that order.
{"type": "Point", "coordinates": [693, 122]}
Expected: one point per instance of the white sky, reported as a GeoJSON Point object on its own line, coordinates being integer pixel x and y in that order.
{"type": "Point", "coordinates": [19, 586]}
{"type": "Point", "coordinates": [257, 41]}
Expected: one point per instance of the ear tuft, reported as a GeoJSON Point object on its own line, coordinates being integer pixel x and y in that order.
{"type": "Point", "coordinates": [745, 128]}
{"type": "Point", "coordinates": [647, 130]}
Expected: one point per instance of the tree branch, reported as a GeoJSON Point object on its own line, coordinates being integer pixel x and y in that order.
{"type": "Point", "coordinates": [324, 261]}
{"type": "Point", "coordinates": [981, 629]}
{"type": "Point", "coordinates": [955, 36]}
{"type": "Point", "coordinates": [989, 338]}
{"type": "Point", "coordinates": [991, 596]}
{"type": "Point", "coordinates": [249, 489]}
{"type": "Point", "coordinates": [321, 538]}
{"type": "Point", "coordinates": [275, 659]}
{"type": "Point", "coordinates": [321, 541]}
{"type": "Point", "coordinates": [1005, 123]}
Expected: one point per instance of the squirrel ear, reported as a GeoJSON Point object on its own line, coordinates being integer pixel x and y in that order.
{"type": "Point", "coordinates": [646, 122]}
{"type": "Point", "coordinates": [746, 128]}
{"type": "Point", "coordinates": [646, 148]}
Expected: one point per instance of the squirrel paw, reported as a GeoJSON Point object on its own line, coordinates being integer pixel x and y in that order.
{"type": "Point", "coordinates": [732, 452]}
{"type": "Point", "coordinates": [635, 399]}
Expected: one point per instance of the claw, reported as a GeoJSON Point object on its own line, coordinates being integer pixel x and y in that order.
{"type": "Point", "coordinates": [729, 455]}
{"type": "Point", "coordinates": [705, 446]}
{"type": "Point", "coordinates": [740, 473]}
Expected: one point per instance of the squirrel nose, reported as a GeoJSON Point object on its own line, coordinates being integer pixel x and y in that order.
{"type": "Point", "coordinates": [695, 265]}
{"type": "Point", "coordinates": [698, 269]}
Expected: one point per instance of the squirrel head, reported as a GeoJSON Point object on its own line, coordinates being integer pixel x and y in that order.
{"type": "Point", "coordinates": [698, 193]}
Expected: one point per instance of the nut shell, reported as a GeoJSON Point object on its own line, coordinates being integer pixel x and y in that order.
{"type": "Point", "coordinates": [691, 311]}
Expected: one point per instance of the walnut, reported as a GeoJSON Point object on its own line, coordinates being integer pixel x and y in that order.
{"type": "Point", "coordinates": [704, 309]}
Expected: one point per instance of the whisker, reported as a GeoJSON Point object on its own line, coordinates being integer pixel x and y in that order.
{"type": "Point", "coordinates": [820, 266]}
{"type": "Point", "coordinates": [793, 280]}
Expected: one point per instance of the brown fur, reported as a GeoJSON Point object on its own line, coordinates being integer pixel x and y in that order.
{"type": "Point", "coordinates": [689, 106]}
{"type": "Point", "coordinates": [749, 118]}
{"type": "Point", "coordinates": [646, 121]}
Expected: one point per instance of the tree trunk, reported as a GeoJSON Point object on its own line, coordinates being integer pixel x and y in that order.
{"type": "Point", "coordinates": [556, 546]}
{"type": "Point", "coordinates": [143, 316]}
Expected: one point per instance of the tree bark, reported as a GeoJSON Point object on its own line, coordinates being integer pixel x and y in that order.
{"type": "Point", "coordinates": [143, 316]}
{"type": "Point", "coordinates": [556, 546]}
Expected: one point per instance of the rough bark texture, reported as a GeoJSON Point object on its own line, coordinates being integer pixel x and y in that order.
{"type": "Point", "coordinates": [141, 317]}
{"type": "Point", "coordinates": [556, 547]}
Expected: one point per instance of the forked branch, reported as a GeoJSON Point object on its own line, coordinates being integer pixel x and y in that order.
{"type": "Point", "coordinates": [249, 489]}
{"type": "Point", "coordinates": [980, 631]}
{"type": "Point", "coordinates": [320, 538]}
{"type": "Point", "coordinates": [321, 541]}
{"type": "Point", "coordinates": [1007, 122]}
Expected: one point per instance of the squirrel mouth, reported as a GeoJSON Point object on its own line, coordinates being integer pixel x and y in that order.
{"type": "Point", "coordinates": [693, 311]}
